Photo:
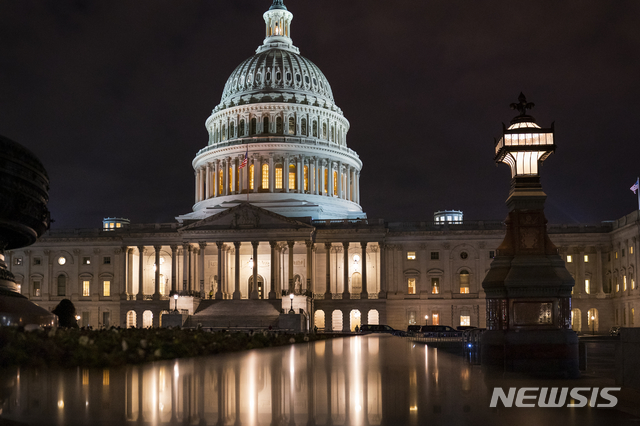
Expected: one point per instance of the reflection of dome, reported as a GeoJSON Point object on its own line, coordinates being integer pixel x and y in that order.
{"type": "Point", "coordinates": [277, 70]}
{"type": "Point", "coordinates": [277, 139]}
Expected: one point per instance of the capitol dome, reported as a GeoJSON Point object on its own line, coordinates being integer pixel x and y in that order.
{"type": "Point", "coordinates": [277, 139]}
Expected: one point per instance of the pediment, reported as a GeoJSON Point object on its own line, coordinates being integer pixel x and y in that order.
{"type": "Point", "coordinates": [246, 216]}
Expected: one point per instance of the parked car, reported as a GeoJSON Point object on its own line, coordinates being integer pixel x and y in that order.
{"type": "Point", "coordinates": [614, 331]}
{"type": "Point", "coordinates": [465, 327]}
{"type": "Point", "coordinates": [439, 331]}
{"type": "Point", "coordinates": [412, 330]}
{"type": "Point", "coordinates": [380, 328]}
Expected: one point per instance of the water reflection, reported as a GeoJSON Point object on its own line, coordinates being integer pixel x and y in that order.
{"type": "Point", "coordinates": [362, 380]}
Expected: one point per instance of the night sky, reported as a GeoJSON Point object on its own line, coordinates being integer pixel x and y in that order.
{"type": "Point", "coordinates": [113, 95]}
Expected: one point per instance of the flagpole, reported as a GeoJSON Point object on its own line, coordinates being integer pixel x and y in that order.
{"type": "Point", "coordinates": [638, 192]}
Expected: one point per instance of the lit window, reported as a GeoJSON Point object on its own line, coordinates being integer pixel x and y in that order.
{"type": "Point", "coordinates": [265, 176]}
{"type": "Point", "coordinates": [617, 285]}
{"type": "Point", "coordinates": [251, 168]}
{"type": "Point", "coordinates": [86, 261]}
{"type": "Point", "coordinates": [230, 183]}
{"type": "Point", "coordinates": [118, 225]}
{"type": "Point", "coordinates": [112, 225]}
{"type": "Point", "coordinates": [292, 124]}
{"type": "Point", "coordinates": [292, 177]}
{"type": "Point", "coordinates": [435, 285]}
{"type": "Point", "coordinates": [106, 288]}
{"type": "Point", "coordinates": [616, 255]}
{"type": "Point", "coordinates": [220, 183]}
{"type": "Point", "coordinates": [306, 178]}
{"type": "Point", "coordinates": [326, 180]}
{"type": "Point", "coordinates": [303, 124]}
{"type": "Point", "coordinates": [62, 285]}
{"type": "Point", "coordinates": [62, 260]}
{"type": "Point", "coordinates": [630, 249]}
{"type": "Point", "coordinates": [17, 261]}
{"type": "Point", "coordinates": [106, 260]}
{"type": "Point", "coordinates": [633, 311]}
{"type": "Point", "coordinates": [435, 255]}
{"type": "Point", "coordinates": [569, 258]}
{"type": "Point", "coordinates": [411, 255]}
{"type": "Point", "coordinates": [86, 288]}
{"type": "Point", "coordinates": [36, 288]}
{"type": "Point", "coordinates": [624, 283]}
{"type": "Point", "coordinates": [587, 287]}
{"type": "Point", "coordinates": [586, 258]}
{"type": "Point", "coordinates": [465, 320]}
{"type": "Point", "coordinates": [335, 182]}
{"type": "Point", "coordinates": [105, 377]}
{"type": "Point", "coordinates": [464, 282]}
{"type": "Point", "coordinates": [411, 286]}
{"type": "Point", "coordinates": [435, 318]}
{"type": "Point", "coordinates": [278, 177]}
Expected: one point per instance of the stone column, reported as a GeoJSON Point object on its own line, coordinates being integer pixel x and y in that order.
{"type": "Point", "coordinates": [598, 275]}
{"type": "Point", "coordinates": [321, 171]}
{"type": "Point", "coordinates": [130, 271]}
{"type": "Point", "coordinates": [346, 294]}
{"type": "Point", "coordinates": [272, 289]}
{"type": "Point", "coordinates": [316, 173]}
{"type": "Point", "coordinates": [197, 176]}
{"type": "Point", "coordinates": [348, 184]}
{"type": "Point", "coordinates": [124, 250]}
{"type": "Point", "coordinates": [215, 180]}
{"type": "Point", "coordinates": [202, 245]}
{"type": "Point", "coordinates": [300, 173]}
{"type": "Point", "coordinates": [174, 265]}
{"type": "Point", "coordinates": [225, 176]}
{"type": "Point", "coordinates": [383, 271]}
{"type": "Point", "coordinates": [285, 173]}
{"type": "Point", "coordinates": [207, 193]}
{"type": "Point", "coordinates": [327, 290]}
{"type": "Point", "coordinates": [357, 179]}
{"type": "Point", "coordinates": [254, 291]}
{"type": "Point", "coordinates": [186, 248]}
{"type": "Point", "coordinates": [191, 271]}
{"type": "Point", "coordinates": [234, 176]}
{"type": "Point", "coordinates": [339, 179]}
{"type": "Point", "coordinates": [257, 173]}
{"type": "Point", "coordinates": [310, 283]}
{"type": "Point", "coordinates": [272, 174]}
{"type": "Point", "coordinates": [290, 275]}
{"type": "Point", "coordinates": [156, 293]}
{"type": "Point", "coordinates": [365, 289]}
{"type": "Point", "coordinates": [140, 295]}
{"type": "Point", "coordinates": [330, 185]}
{"type": "Point", "coordinates": [220, 245]}
{"type": "Point", "coordinates": [236, 293]}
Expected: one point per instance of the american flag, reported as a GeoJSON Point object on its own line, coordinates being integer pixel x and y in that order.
{"type": "Point", "coordinates": [246, 159]}
{"type": "Point", "coordinates": [635, 186]}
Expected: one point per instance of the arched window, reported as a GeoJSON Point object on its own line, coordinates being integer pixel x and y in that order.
{"type": "Point", "coordinates": [220, 182]}
{"type": "Point", "coordinates": [336, 320]}
{"type": "Point", "coordinates": [373, 317]}
{"type": "Point", "coordinates": [303, 126]}
{"type": "Point", "coordinates": [232, 130]}
{"type": "Point", "coordinates": [315, 129]}
{"type": "Point", "coordinates": [254, 126]}
{"type": "Point", "coordinates": [265, 125]}
{"type": "Point", "coordinates": [292, 126]}
{"type": "Point", "coordinates": [292, 176]}
{"type": "Point", "coordinates": [251, 177]}
{"type": "Point", "coordinates": [279, 125]}
{"type": "Point", "coordinates": [576, 320]}
{"type": "Point", "coordinates": [224, 132]}
{"type": "Point", "coordinates": [306, 178]}
{"type": "Point", "coordinates": [62, 285]}
{"type": "Point", "coordinates": [131, 319]}
{"type": "Point", "coordinates": [147, 319]}
{"type": "Point", "coordinates": [333, 134]}
{"type": "Point", "coordinates": [464, 281]}
{"type": "Point", "coordinates": [265, 176]}
{"type": "Point", "coordinates": [354, 319]}
{"type": "Point", "coordinates": [324, 130]}
{"type": "Point", "coordinates": [318, 319]}
{"type": "Point", "coordinates": [241, 128]}
{"type": "Point", "coordinates": [279, 176]}
{"type": "Point", "coordinates": [593, 320]}
{"type": "Point", "coordinates": [335, 182]}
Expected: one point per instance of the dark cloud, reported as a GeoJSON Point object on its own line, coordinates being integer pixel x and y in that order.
{"type": "Point", "coordinates": [113, 96]}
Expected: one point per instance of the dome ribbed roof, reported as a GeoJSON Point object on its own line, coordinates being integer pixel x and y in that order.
{"type": "Point", "coordinates": [277, 70]}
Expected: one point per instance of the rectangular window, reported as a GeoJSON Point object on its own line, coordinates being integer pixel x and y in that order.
{"type": "Point", "coordinates": [587, 287]}
{"type": "Point", "coordinates": [464, 282]}
{"type": "Point", "coordinates": [617, 285]}
{"type": "Point", "coordinates": [586, 258]}
{"type": "Point", "coordinates": [411, 286]}
{"type": "Point", "coordinates": [106, 288]}
{"type": "Point", "coordinates": [465, 320]}
{"type": "Point", "coordinates": [17, 261]}
{"type": "Point", "coordinates": [623, 250]}
{"type": "Point", "coordinates": [569, 258]}
{"type": "Point", "coordinates": [411, 255]}
{"type": "Point", "coordinates": [105, 373]}
{"type": "Point", "coordinates": [492, 254]}
{"type": "Point", "coordinates": [251, 176]}
{"type": "Point", "coordinates": [624, 283]}
{"type": "Point", "coordinates": [435, 317]}
{"type": "Point", "coordinates": [292, 177]}
{"type": "Point", "coordinates": [86, 288]}
{"type": "Point", "coordinates": [265, 176]}
{"type": "Point", "coordinates": [633, 311]}
{"type": "Point", "coordinates": [630, 249]}
{"type": "Point", "coordinates": [412, 317]}
{"type": "Point", "coordinates": [326, 180]}
{"type": "Point", "coordinates": [616, 255]}
{"type": "Point", "coordinates": [435, 255]}
{"type": "Point", "coordinates": [106, 260]}
{"type": "Point", "coordinates": [37, 261]}
{"type": "Point", "coordinates": [36, 289]}
{"type": "Point", "coordinates": [435, 285]}
{"type": "Point", "coordinates": [86, 261]}
{"type": "Point", "coordinates": [306, 178]}
{"type": "Point", "coordinates": [279, 177]}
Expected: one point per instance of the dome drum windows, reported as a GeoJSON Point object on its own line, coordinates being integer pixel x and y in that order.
{"type": "Point", "coordinates": [292, 126]}
{"type": "Point", "coordinates": [241, 131]}
{"type": "Point", "coordinates": [232, 130]}
{"type": "Point", "coordinates": [315, 129]}
{"type": "Point", "coordinates": [224, 133]}
{"type": "Point", "coordinates": [265, 125]}
{"type": "Point", "coordinates": [279, 125]}
{"type": "Point", "coordinates": [303, 127]}
{"type": "Point", "coordinates": [254, 126]}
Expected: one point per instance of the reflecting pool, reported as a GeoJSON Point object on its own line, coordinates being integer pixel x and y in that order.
{"type": "Point", "coordinates": [360, 380]}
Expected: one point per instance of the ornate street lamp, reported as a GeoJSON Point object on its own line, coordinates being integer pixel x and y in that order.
{"type": "Point", "coordinates": [426, 319]}
{"type": "Point", "coordinates": [291, 311]}
{"type": "Point", "coordinates": [175, 297]}
{"type": "Point", "coordinates": [528, 288]}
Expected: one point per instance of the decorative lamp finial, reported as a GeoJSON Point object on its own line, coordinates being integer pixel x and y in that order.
{"type": "Point", "coordinates": [522, 106]}
{"type": "Point", "coordinates": [278, 4]}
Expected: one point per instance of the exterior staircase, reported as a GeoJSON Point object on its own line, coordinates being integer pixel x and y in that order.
{"type": "Point", "coordinates": [236, 314]}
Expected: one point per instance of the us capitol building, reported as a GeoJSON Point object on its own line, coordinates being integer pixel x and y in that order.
{"type": "Point", "coordinates": [277, 225]}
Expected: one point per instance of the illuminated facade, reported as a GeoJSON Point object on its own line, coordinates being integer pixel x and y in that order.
{"type": "Point", "coordinates": [290, 220]}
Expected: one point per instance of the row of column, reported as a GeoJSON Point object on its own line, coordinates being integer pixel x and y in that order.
{"type": "Point", "coordinates": [224, 177]}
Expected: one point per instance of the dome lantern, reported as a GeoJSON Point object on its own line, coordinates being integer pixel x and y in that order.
{"type": "Point", "coordinates": [278, 27]}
